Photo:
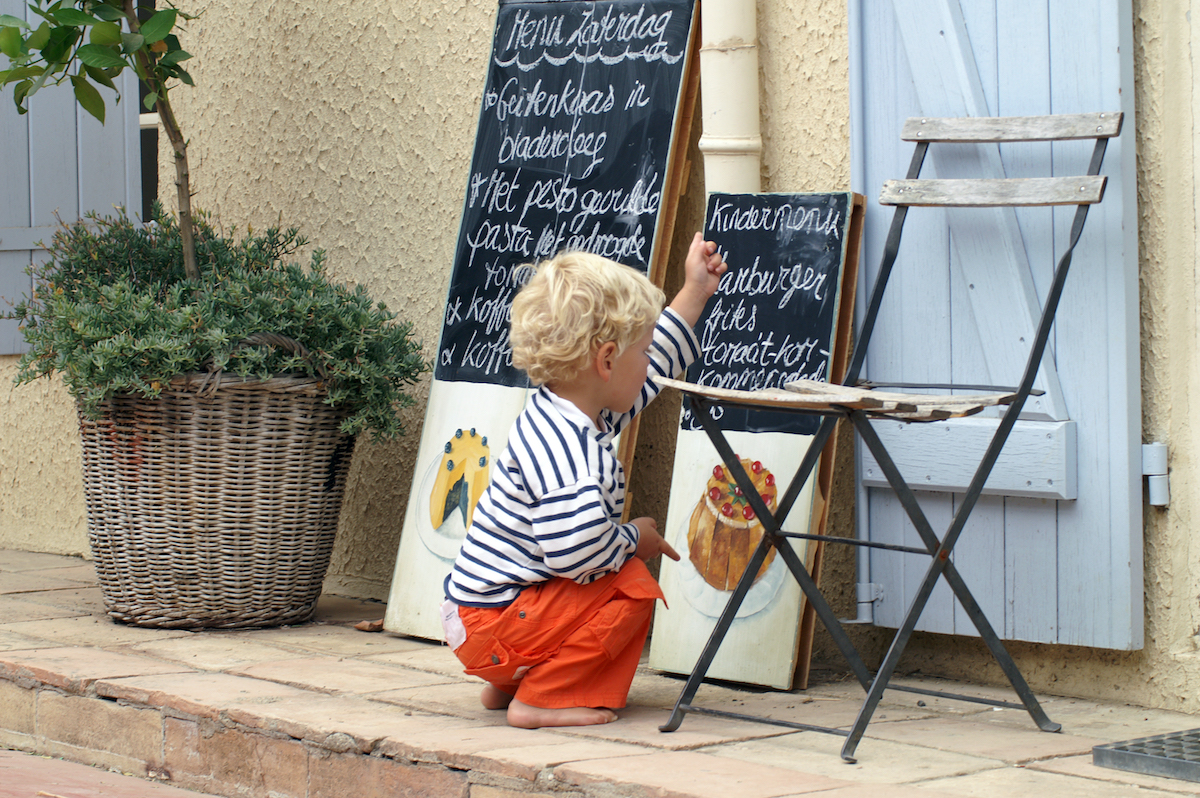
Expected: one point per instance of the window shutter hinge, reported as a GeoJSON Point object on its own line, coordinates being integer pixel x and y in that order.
{"type": "Point", "coordinates": [1154, 468]}
{"type": "Point", "coordinates": [869, 592]}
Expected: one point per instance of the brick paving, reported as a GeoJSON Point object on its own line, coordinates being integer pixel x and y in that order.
{"type": "Point", "coordinates": [25, 775]}
{"type": "Point", "coordinates": [90, 708]}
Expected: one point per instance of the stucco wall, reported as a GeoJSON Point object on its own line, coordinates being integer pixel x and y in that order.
{"type": "Point", "coordinates": [41, 482]}
{"type": "Point", "coordinates": [355, 121]}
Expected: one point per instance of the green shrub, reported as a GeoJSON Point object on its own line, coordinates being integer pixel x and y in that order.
{"type": "Point", "coordinates": [113, 313]}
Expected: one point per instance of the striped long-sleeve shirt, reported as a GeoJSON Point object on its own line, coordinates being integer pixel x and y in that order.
{"type": "Point", "coordinates": [553, 508]}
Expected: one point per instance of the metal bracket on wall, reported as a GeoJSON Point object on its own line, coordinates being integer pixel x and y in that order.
{"type": "Point", "coordinates": [866, 594]}
{"type": "Point", "coordinates": [1154, 468]}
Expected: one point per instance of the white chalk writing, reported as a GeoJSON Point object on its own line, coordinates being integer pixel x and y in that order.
{"type": "Point", "coordinates": [609, 35]}
{"type": "Point", "coordinates": [771, 320]}
{"type": "Point", "coordinates": [784, 281]}
{"type": "Point", "coordinates": [555, 167]}
{"type": "Point", "coordinates": [728, 216]}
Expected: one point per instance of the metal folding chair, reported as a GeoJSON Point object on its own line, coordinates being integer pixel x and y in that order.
{"type": "Point", "coordinates": [858, 405]}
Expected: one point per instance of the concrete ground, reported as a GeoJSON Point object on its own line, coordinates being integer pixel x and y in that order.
{"type": "Point", "coordinates": [325, 709]}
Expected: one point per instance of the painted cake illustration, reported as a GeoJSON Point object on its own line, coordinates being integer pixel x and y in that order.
{"type": "Point", "coordinates": [723, 531]}
{"type": "Point", "coordinates": [461, 478]}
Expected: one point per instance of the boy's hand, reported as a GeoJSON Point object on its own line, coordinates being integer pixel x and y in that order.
{"type": "Point", "coordinates": [650, 543]}
{"type": "Point", "coordinates": [702, 274]}
{"type": "Point", "coordinates": [704, 265]}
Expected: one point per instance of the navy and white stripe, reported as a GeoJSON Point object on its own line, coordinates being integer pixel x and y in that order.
{"type": "Point", "coordinates": [553, 508]}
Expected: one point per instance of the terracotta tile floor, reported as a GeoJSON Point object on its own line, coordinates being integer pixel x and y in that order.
{"type": "Point", "coordinates": [343, 690]}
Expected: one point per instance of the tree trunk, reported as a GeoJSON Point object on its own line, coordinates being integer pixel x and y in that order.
{"type": "Point", "coordinates": [183, 188]}
{"type": "Point", "coordinates": [183, 184]}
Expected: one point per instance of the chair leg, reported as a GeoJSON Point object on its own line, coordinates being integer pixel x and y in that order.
{"type": "Point", "coordinates": [718, 636]}
{"type": "Point", "coordinates": [944, 568]}
{"type": "Point", "coordinates": [999, 652]}
{"type": "Point", "coordinates": [941, 565]}
{"type": "Point", "coordinates": [888, 667]}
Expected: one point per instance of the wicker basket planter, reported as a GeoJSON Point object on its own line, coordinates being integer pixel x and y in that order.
{"type": "Point", "coordinates": [216, 505]}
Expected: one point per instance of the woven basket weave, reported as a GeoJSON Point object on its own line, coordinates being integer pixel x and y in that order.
{"type": "Point", "coordinates": [216, 505]}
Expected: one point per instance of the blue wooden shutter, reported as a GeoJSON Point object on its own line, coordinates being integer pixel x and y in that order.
{"type": "Point", "coordinates": [1054, 552]}
{"type": "Point", "coordinates": [58, 159]}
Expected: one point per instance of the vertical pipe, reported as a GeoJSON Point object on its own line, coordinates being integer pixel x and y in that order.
{"type": "Point", "coordinates": [865, 592]}
{"type": "Point", "coordinates": [731, 142]}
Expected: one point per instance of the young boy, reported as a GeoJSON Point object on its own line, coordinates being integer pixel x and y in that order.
{"type": "Point", "coordinates": [550, 600]}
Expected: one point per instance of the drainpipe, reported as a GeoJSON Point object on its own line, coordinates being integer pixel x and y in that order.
{"type": "Point", "coordinates": [730, 142]}
{"type": "Point", "coordinates": [867, 593]}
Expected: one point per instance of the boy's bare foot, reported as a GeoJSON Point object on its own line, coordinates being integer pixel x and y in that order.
{"type": "Point", "coordinates": [494, 698]}
{"type": "Point", "coordinates": [525, 716]}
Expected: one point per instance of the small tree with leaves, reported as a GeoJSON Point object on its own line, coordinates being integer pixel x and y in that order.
{"type": "Point", "coordinates": [89, 43]}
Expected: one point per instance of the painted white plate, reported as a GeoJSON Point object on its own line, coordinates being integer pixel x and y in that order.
{"type": "Point", "coordinates": [446, 540]}
{"type": "Point", "coordinates": [710, 602]}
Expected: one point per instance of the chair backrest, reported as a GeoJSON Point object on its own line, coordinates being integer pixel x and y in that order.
{"type": "Point", "coordinates": [1088, 189]}
{"type": "Point", "coordinates": [1081, 191]}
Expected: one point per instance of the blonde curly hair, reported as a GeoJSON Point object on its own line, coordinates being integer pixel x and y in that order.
{"type": "Point", "coordinates": [575, 302]}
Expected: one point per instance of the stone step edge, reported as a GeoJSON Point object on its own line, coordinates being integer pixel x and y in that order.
{"type": "Point", "coordinates": [224, 757]}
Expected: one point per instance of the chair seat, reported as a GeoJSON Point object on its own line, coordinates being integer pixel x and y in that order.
{"type": "Point", "coordinates": [910, 406]}
{"type": "Point", "coordinates": [825, 397]}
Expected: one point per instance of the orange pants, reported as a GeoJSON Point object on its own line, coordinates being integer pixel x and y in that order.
{"type": "Point", "coordinates": [562, 644]}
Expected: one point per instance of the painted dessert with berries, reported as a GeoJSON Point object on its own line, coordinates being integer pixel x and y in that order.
{"type": "Point", "coordinates": [724, 530]}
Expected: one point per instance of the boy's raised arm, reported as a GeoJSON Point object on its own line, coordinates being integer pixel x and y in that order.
{"type": "Point", "coordinates": [702, 274]}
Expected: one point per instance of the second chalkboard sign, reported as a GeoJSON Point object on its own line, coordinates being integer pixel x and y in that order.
{"type": "Point", "coordinates": [774, 317]}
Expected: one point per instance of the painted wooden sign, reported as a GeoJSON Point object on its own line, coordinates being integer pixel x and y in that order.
{"type": "Point", "coordinates": [575, 149]}
{"type": "Point", "coordinates": [775, 318]}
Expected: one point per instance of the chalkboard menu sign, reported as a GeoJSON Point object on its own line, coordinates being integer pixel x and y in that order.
{"type": "Point", "coordinates": [773, 318]}
{"type": "Point", "coordinates": [575, 132]}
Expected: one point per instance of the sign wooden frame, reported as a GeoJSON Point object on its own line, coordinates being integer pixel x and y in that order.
{"type": "Point", "coordinates": [772, 637]}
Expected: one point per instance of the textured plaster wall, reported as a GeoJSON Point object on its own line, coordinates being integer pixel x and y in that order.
{"type": "Point", "coordinates": [355, 121]}
{"type": "Point", "coordinates": [41, 487]}
{"type": "Point", "coordinates": [1168, 33]}
{"type": "Point", "coordinates": [804, 66]}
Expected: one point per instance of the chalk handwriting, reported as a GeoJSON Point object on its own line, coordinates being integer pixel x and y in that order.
{"type": "Point", "coordinates": [571, 100]}
{"type": "Point", "coordinates": [570, 154]}
{"type": "Point", "coordinates": [727, 216]}
{"type": "Point", "coordinates": [784, 280]}
{"type": "Point", "coordinates": [771, 320]}
{"type": "Point", "coordinates": [637, 97]}
{"type": "Point", "coordinates": [601, 32]}
{"type": "Point", "coordinates": [547, 144]}
{"type": "Point", "coordinates": [487, 356]}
